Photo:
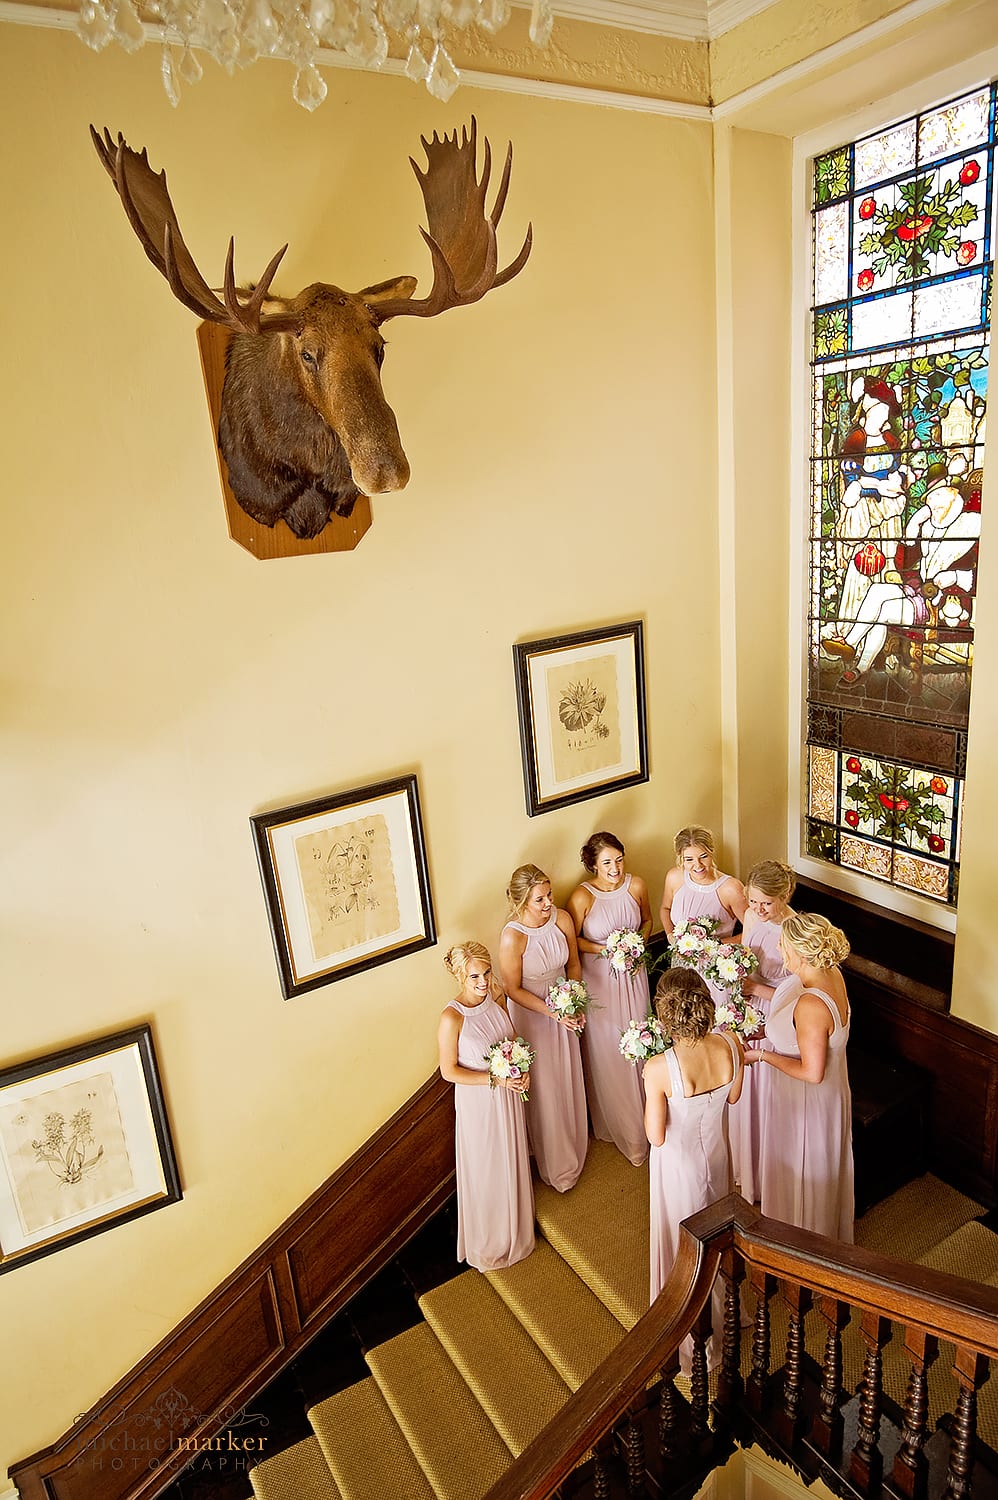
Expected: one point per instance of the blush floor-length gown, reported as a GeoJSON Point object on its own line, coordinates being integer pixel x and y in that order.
{"type": "Point", "coordinates": [557, 1126]}
{"type": "Point", "coordinates": [692, 900]}
{"type": "Point", "coordinates": [807, 1166]}
{"type": "Point", "coordinates": [689, 1171]}
{"type": "Point", "coordinates": [746, 1118]}
{"type": "Point", "coordinates": [495, 1194]}
{"type": "Point", "coordinates": [616, 1095]}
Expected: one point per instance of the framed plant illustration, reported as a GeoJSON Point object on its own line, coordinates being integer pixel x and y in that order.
{"type": "Point", "coordinates": [581, 702]}
{"type": "Point", "coordinates": [84, 1145]}
{"type": "Point", "coordinates": [346, 882]}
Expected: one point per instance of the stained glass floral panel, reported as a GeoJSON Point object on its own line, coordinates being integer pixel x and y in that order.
{"type": "Point", "coordinates": [903, 245]}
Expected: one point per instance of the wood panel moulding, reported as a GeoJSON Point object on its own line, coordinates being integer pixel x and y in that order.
{"type": "Point", "coordinates": [195, 1381]}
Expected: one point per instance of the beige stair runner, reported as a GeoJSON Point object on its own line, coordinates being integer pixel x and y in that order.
{"type": "Point", "coordinates": [451, 1401]}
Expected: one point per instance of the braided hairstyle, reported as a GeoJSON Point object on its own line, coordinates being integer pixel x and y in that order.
{"type": "Point", "coordinates": [684, 1005]}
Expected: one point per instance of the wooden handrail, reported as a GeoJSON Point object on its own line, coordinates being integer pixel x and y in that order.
{"type": "Point", "coordinates": [128, 1445]}
{"type": "Point", "coordinates": [947, 1307]}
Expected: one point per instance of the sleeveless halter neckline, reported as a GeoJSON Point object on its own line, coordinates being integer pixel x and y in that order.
{"type": "Point", "coordinates": [522, 926]}
{"type": "Point", "coordinates": [710, 886]}
{"type": "Point", "coordinates": [594, 890]}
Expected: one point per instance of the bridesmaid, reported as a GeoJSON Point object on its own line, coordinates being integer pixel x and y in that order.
{"type": "Point", "coordinates": [537, 947]}
{"type": "Point", "coordinates": [696, 888]}
{"type": "Point", "coordinates": [768, 888]}
{"type": "Point", "coordinates": [612, 899]}
{"type": "Point", "coordinates": [689, 1089]}
{"type": "Point", "coordinates": [495, 1196]}
{"type": "Point", "coordinates": [807, 1166]}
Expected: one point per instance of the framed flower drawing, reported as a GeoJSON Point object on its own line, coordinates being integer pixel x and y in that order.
{"type": "Point", "coordinates": [84, 1144]}
{"type": "Point", "coordinates": [581, 705]}
{"type": "Point", "coordinates": [346, 882]}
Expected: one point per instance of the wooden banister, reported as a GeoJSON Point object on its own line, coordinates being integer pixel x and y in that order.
{"type": "Point", "coordinates": [929, 1304]}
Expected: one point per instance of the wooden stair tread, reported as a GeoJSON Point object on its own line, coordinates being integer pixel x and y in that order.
{"type": "Point", "coordinates": [512, 1380]}
{"type": "Point", "coordinates": [364, 1446]}
{"type": "Point", "coordinates": [602, 1229]}
{"type": "Point", "coordinates": [574, 1328]}
{"type": "Point", "coordinates": [462, 1455]}
{"type": "Point", "coordinates": [299, 1473]}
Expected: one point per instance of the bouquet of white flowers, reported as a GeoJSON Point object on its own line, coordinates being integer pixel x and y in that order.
{"type": "Point", "coordinates": [693, 944]}
{"type": "Point", "coordinates": [643, 1039]}
{"type": "Point", "coordinates": [731, 963]}
{"type": "Point", "coordinates": [738, 1016]}
{"type": "Point", "coordinates": [510, 1058]}
{"type": "Point", "coordinates": [625, 950]}
{"type": "Point", "coordinates": [568, 997]}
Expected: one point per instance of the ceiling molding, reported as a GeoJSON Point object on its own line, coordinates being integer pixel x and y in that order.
{"type": "Point", "coordinates": [683, 20]}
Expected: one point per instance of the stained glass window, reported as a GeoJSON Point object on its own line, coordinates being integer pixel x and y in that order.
{"type": "Point", "coordinates": [902, 237]}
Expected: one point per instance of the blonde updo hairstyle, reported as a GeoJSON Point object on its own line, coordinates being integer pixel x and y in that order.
{"type": "Point", "coordinates": [687, 837]}
{"type": "Point", "coordinates": [521, 883]}
{"type": "Point", "coordinates": [684, 1005]}
{"type": "Point", "coordinates": [457, 959]}
{"type": "Point", "coordinates": [773, 879]}
{"type": "Point", "coordinates": [816, 940]}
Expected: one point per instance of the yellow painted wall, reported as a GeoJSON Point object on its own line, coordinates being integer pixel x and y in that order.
{"type": "Point", "coordinates": [160, 685]}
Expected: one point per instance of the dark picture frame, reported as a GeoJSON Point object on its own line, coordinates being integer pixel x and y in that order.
{"type": "Point", "coordinates": [346, 882]}
{"type": "Point", "coordinates": [85, 1144]}
{"type": "Point", "coordinates": [581, 705]}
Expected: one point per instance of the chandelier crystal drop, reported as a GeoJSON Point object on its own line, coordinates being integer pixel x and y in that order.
{"type": "Point", "coordinates": [236, 33]}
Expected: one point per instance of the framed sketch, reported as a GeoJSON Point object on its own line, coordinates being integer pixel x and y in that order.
{"type": "Point", "coordinates": [84, 1145]}
{"type": "Point", "coordinates": [346, 882]}
{"type": "Point", "coordinates": [581, 701]}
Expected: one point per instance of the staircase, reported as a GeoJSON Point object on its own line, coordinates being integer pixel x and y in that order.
{"type": "Point", "coordinates": [448, 1404]}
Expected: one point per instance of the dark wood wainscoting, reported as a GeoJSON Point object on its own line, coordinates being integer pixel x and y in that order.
{"type": "Point", "coordinates": [194, 1384]}
{"type": "Point", "coordinates": [900, 976]}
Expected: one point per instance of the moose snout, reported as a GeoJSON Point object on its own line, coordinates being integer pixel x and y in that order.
{"type": "Point", "coordinates": [381, 474]}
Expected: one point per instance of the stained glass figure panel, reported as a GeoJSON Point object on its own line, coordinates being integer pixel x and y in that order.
{"type": "Point", "coordinates": [903, 246]}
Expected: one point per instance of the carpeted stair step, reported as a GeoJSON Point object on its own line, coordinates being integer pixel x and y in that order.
{"type": "Point", "coordinates": [458, 1448]}
{"type": "Point", "coordinates": [971, 1251]}
{"type": "Point", "coordinates": [569, 1322]}
{"type": "Point", "coordinates": [364, 1446]}
{"type": "Point", "coordinates": [919, 1215]}
{"type": "Point", "coordinates": [602, 1229]}
{"type": "Point", "coordinates": [519, 1390]}
{"type": "Point", "coordinates": [299, 1473]}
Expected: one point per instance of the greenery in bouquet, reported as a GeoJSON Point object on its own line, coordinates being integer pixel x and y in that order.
{"type": "Point", "coordinates": [694, 944]}
{"type": "Point", "coordinates": [510, 1058]}
{"type": "Point", "coordinates": [730, 963]}
{"type": "Point", "coordinates": [643, 1039]}
{"type": "Point", "coordinates": [738, 1015]}
{"type": "Point", "coordinates": [568, 997]}
{"type": "Point", "coordinates": [626, 951]}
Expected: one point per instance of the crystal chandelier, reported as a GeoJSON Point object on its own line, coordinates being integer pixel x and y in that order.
{"type": "Point", "coordinates": [239, 32]}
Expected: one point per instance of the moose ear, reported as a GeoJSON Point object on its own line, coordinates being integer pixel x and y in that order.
{"type": "Point", "coordinates": [385, 291]}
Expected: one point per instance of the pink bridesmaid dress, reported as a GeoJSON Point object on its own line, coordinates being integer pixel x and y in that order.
{"type": "Point", "coordinates": [703, 901]}
{"type": "Point", "coordinates": [689, 1171]}
{"type": "Point", "coordinates": [616, 1095]}
{"type": "Point", "coordinates": [807, 1167]}
{"type": "Point", "coordinates": [746, 1118]}
{"type": "Point", "coordinates": [557, 1126]}
{"type": "Point", "coordinates": [495, 1196]}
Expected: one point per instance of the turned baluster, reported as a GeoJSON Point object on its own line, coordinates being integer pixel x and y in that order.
{"type": "Point", "coordinates": [758, 1382]}
{"type": "Point", "coordinates": [668, 1412]}
{"type": "Point", "coordinates": [601, 1479]}
{"type": "Point", "coordinates": [729, 1382]}
{"type": "Point", "coordinates": [910, 1466]}
{"type": "Point", "coordinates": [699, 1426]}
{"type": "Point", "coordinates": [798, 1300]}
{"type": "Point", "coordinates": [866, 1460]}
{"type": "Point", "coordinates": [826, 1429]}
{"type": "Point", "coordinates": [971, 1371]}
{"type": "Point", "coordinates": [634, 1447]}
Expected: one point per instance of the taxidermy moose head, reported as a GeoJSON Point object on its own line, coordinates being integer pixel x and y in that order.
{"type": "Point", "coordinates": [305, 427]}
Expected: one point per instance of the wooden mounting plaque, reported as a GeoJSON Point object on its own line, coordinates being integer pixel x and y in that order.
{"type": "Point", "coordinates": [340, 533]}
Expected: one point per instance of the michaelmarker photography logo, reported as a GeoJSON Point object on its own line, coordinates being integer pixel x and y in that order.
{"type": "Point", "coordinates": [174, 1432]}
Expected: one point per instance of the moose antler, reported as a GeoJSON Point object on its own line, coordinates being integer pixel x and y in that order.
{"type": "Point", "coordinates": [461, 237]}
{"type": "Point", "coordinates": [146, 202]}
